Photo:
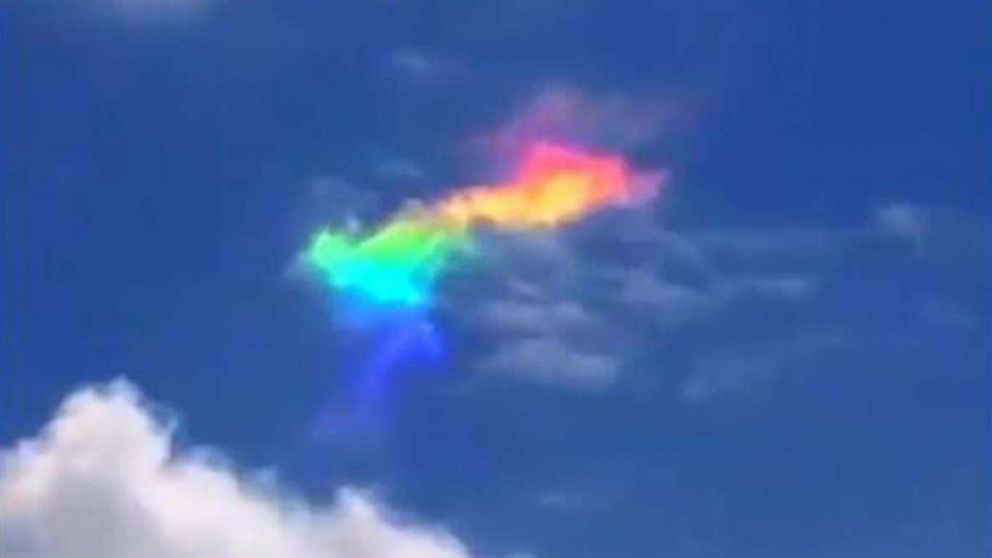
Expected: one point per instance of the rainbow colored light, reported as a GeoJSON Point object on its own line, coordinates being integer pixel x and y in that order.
{"type": "Point", "coordinates": [398, 265]}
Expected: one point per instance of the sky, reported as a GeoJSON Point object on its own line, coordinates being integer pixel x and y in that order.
{"type": "Point", "coordinates": [786, 353]}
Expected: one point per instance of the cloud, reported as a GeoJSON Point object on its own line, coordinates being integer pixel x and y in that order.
{"type": "Point", "coordinates": [552, 360]}
{"type": "Point", "coordinates": [948, 313]}
{"type": "Point", "coordinates": [665, 303]}
{"type": "Point", "coordinates": [750, 371]}
{"type": "Point", "coordinates": [422, 66]}
{"type": "Point", "coordinates": [523, 306]}
{"type": "Point", "coordinates": [718, 312]}
{"type": "Point", "coordinates": [535, 308]}
{"type": "Point", "coordinates": [786, 249]}
{"type": "Point", "coordinates": [783, 288]}
{"type": "Point", "coordinates": [103, 480]}
{"type": "Point", "coordinates": [152, 11]}
{"type": "Point", "coordinates": [612, 120]}
{"type": "Point", "coordinates": [903, 220]}
{"type": "Point", "coordinates": [400, 170]}
{"type": "Point", "coordinates": [565, 501]}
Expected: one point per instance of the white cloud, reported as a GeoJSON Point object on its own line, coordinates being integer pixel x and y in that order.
{"type": "Point", "coordinates": [551, 360]}
{"type": "Point", "coordinates": [536, 317]}
{"type": "Point", "coordinates": [666, 303]}
{"type": "Point", "coordinates": [103, 480]}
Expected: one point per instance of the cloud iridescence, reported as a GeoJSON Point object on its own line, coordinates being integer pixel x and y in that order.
{"type": "Point", "coordinates": [398, 265]}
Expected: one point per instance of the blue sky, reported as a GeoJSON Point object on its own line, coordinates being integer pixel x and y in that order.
{"type": "Point", "coordinates": [787, 354]}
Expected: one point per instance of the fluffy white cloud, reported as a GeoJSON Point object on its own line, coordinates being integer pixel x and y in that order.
{"type": "Point", "coordinates": [104, 481]}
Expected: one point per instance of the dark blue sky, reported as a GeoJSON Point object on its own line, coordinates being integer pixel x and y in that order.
{"type": "Point", "coordinates": [799, 357]}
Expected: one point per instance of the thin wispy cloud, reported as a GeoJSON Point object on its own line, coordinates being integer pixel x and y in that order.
{"type": "Point", "coordinates": [424, 66]}
{"type": "Point", "coordinates": [152, 12]}
{"type": "Point", "coordinates": [573, 310]}
{"type": "Point", "coordinates": [904, 220]}
{"type": "Point", "coordinates": [613, 120]}
{"type": "Point", "coordinates": [750, 371]}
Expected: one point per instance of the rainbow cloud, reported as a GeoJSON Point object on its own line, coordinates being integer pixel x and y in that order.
{"type": "Point", "coordinates": [384, 281]}
{"type": "Point", "coordinates": [398, 265]}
